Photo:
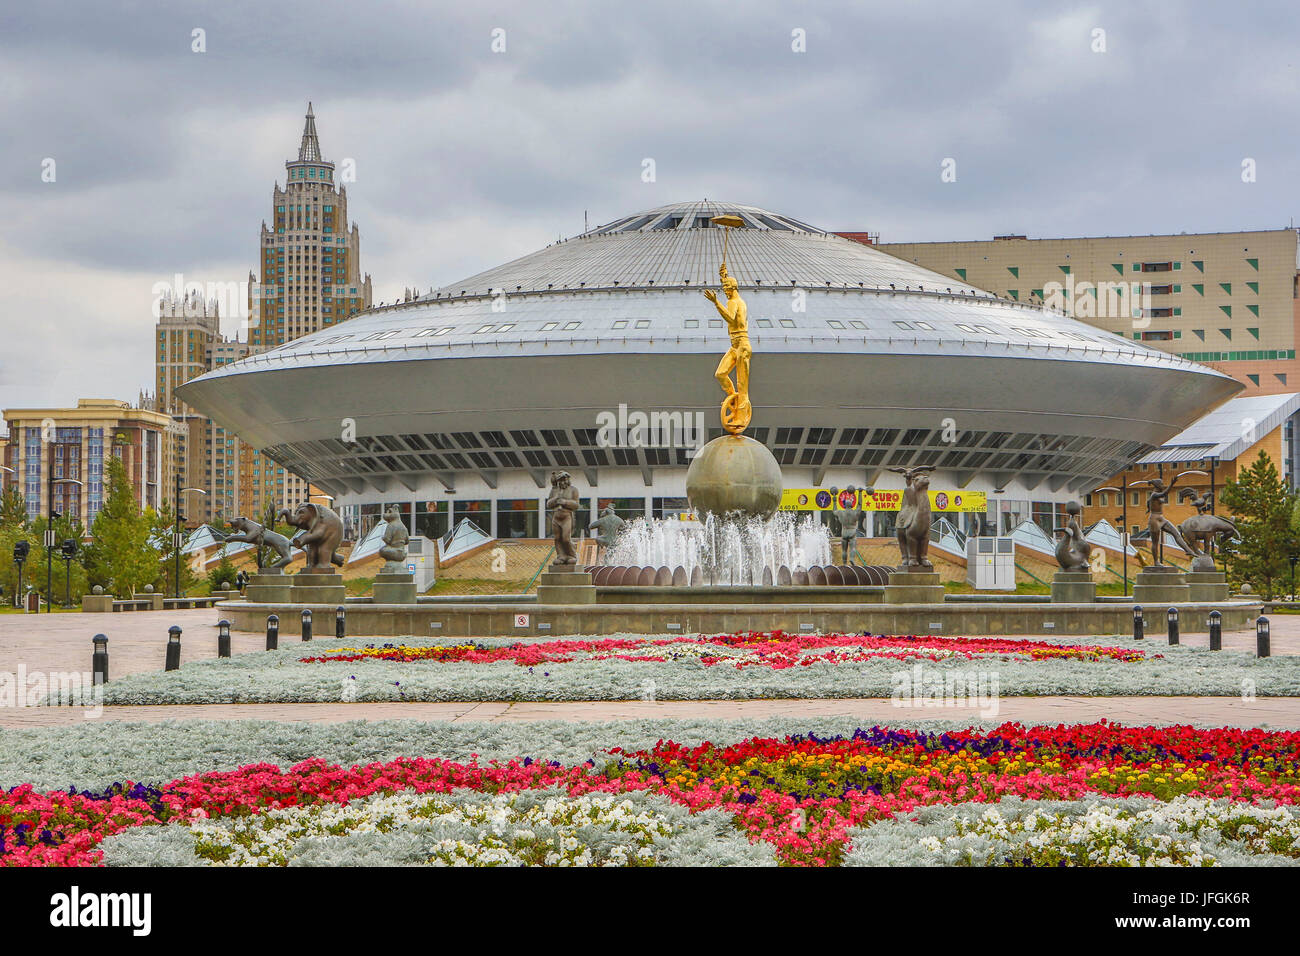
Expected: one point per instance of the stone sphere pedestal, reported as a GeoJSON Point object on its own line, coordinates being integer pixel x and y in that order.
{"type": "Point", "coordinates": [268, 586]}
{"type": "Point", "coordinates": [734, 475]}
{"type": "Point", "coordinates": [394, 588]}
{"type": "Point", "coordinates": [1073, 587]}
{"type": "Point", "coordinates": [914, 586]}
{"type": "Point", "coordinates": [1160, 586]}
{"type": "Point", "coordinates": [318, 588]}
{"type": "Point", "coordinates": [1207, 586]}
{"type": "Point", "coordinates": [565, 584]}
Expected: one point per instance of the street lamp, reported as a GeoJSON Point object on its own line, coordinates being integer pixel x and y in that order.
{"type": "Point", "coordinates": [49, 533]}
{"type": "Point", "coordinates": [69, 552]}
{"type": "Point", "coordinates": [1123, 534]}
{"type": "Point", "coordinates": [177, 541]}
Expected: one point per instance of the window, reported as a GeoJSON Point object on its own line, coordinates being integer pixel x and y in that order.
{"type": "Point", "coordinates": [835, 324]}
{"type": "Point", "coordinates": [640, 324]}
{"type": "Point", "coordinates": [547, 326]}
{"type": "Point", "coordinates": [787, 323]}
{"type": "Point", "coordinates": [570, 326]}
{"type": "Point", "coordinates": [621, 324]}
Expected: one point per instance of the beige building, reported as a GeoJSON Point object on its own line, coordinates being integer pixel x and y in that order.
{"type": "Point", "coordinates": [309, 278]}
{"type": "Point", "coordinates": [66, 449]}
{"type": "Point", "coordinates": [1228, 300]}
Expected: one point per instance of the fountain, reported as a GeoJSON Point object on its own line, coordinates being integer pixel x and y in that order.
{"type": "Point", "coordinates": [726, 551]}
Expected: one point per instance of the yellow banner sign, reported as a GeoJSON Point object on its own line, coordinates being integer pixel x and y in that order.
{"type": "Point", "coordinates": [821, 499]}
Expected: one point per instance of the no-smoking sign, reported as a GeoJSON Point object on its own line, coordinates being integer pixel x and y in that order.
{"type": "Point", "coordinates": [521, 620]}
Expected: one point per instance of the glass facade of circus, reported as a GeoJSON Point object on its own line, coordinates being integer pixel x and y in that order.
{"type": "Point", "coordinates": [464, 401]}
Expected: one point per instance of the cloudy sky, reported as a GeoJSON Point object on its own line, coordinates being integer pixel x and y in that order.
{"type": "Point", "coordinates": [165, 157]}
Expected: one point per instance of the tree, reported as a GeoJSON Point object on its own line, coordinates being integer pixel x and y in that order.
{"type": "Point", "coordinates": [162, 524]}
{"type": "Point", "coordinates": [13, 509]}
{"type": "Point", "coordinates": [1263, 507]}
{"type": "Point", "coordinates": [222, 577]}
{"type": "Point", "coordinates": [121, 557]}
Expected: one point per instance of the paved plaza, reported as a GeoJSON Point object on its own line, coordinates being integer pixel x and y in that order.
{"type": "Point", "coordinates": [61, 642]}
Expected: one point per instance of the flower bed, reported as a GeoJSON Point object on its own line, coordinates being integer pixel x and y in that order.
{"type": "Point", "coordinates": [1094, 794]}
{"type": "Point", "coordinates": [729, 666]}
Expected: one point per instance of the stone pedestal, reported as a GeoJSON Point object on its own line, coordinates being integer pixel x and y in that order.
{"type": "Point", "coordinates": [1209, 586]}
{"type": "Point", "coordinates": [565, 584]}
{"type": "Point", "coordinates": [226, 595]}
{"type": "Point", "coordinates": [318, 589]}
{"type": "Point", "coordinates": [153, 597]}
{"type": "Point", "coordinates": [394, 588]}
{"type": "Point", "coordinates": [1073, 587]}
{"type": "Point", "coordinates": [269, 586]}
{"type": "Point", "coordinates": [97, 603]}
{"type": "Point", "coordinates": [1159, 587]}
{"type": "Point", "coordinates": [907, 586]}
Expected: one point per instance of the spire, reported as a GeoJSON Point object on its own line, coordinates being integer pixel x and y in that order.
{"type": "Point", "coordinates": [310, 148]}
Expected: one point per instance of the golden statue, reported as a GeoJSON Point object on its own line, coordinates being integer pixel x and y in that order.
{"type": "Point", "coordinates": [736, 407]}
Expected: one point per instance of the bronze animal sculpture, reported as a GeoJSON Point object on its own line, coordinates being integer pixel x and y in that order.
{"type": "Point", "coordinates": [1073, 553]}
{"type": "Point", "coordinates": [914, 518]}
{"type": "Point", "coordinates": [322, 532]}
{"type": "Point", "coordinates": [253, 533]}
{"type": "Point", "coordinates": [1202, 528]}
{"type": "Point", "coordinates": [396, 538]}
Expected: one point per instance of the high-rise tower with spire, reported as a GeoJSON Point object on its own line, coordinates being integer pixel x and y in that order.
{"type": "Point", "coordinates": [309, 278]}
{"type": "Point", "coordinates": [310, 269]}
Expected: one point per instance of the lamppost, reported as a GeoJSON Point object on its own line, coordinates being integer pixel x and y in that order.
{"type": "Point", "coordinates": [177, 537]}
{"type": "Point", "coordinates": [1123, 534]}
{"type": "Point", "coordinates": [49, 533]}
{"type": "Point", "coordinates": [69, 552]}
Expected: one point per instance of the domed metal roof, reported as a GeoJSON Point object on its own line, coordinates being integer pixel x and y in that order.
{"type": "Point", "coordinates": [676, 246]}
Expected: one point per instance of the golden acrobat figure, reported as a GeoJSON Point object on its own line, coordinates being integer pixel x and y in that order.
{"type": "Point", "coordinates": [736, 407]}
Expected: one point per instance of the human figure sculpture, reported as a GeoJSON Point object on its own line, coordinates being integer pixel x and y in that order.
{"type": "Point", "coordinates": [322, 532]}
{"type": "Point", "coordinates": [1073, 553]}
{"type": "Point", "coordinates": [1158, 525]}
{"type": "Point", "coordinates": [914, 518]}
{"type": "Point", "coordinates": [736, 407]}
{"type": "Point", "coordinates": [850, 522]}
{"type": "Point", "coordinates": [563, 502]}
{"type": "Point", "coordinates": [396, 537]}
{"type": "Point", "coordinates": [607, 528]}
{"type": "Point", "coordinates": [1202, 528]}
{"type": "Point", "coordinates": [250, 532]}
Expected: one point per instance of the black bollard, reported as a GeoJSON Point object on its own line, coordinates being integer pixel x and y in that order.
{"type": "Point", "coordinates": [1216, 631]}
{"type": "Point", "coordinates": [173, 648]}
{"type": "Point", "coordinates": [306, 624]}
{"type": "Point", "coordinates": [340, 623]}
{"type": "Point", "coordinates": [1262, 648]}
{"type": "Point", "coordinates": [223, 638]}
{"type": "Point", "coordinates": [1137, 622]}
{"type": "Point", "coordinates": [99, 660]}
{"type": "Point", "coordinates": [1173, 625]}
{"type": "Point", "coordinates": [272, 631]}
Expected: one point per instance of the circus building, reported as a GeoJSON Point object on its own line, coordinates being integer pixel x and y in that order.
{"type": "Point", "coordinates": [596, 354]}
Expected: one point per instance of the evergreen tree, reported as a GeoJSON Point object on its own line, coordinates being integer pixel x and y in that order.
{"type": "Point", "coordinates": [13, 509]}
{"type": "Point", "coordinates": [223, 575]}
{"type": "Point", "coordinates": [162, 528]}
{"type": "Point", "coordinates": [68, 580]}
{"type": "Point", "coordinates": [1263, 507]}
{"type": "Point", "coordinates": [121, 557]}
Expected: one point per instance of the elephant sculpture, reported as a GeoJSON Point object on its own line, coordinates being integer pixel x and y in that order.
{"type": "Point", "coordinates": [914, 518]}
{"type": "Point", "coordinates": [253, 533]}
{"type": "Point", "coordinates": [321, 534]}
{"type": "Point", "coordinates": [1073, 553]}
{"type": "Point", "coordinates": [1202, 528]}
